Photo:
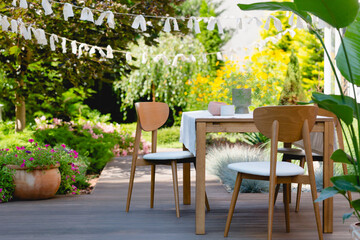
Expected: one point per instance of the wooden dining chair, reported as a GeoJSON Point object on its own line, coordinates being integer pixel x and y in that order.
{"type": "Point", "coordinates": [150, 117]}
{"type": "Point", "coordinates": [285, 124]}
{"type": "Point", "coordinates": [299, 154]}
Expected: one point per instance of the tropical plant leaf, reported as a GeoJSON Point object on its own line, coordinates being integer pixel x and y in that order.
{"type": "Point", "coordinates": [352, 45]}
{"type": "Point", "coordinates": [337, 13]}
{"type": "Point", "coordinates": [273, 6]}
{"type": "Point", "coordinates": [340, 156]}
{"type": "Point", "coordinates": [346, 183]}
{"type": "Point", "coordinates": [356, 204]}
{"type": "Point", "coordinates": [327, 193]}
{"type": "Point", "coordinates": [347, 215]}
{"type": "Point", "coordinates": [342, 106]}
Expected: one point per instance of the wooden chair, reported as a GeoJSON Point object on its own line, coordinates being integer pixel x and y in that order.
{"type": "Point", "coordinates": [150, 117]}
{"type": "Point", "coordinates": [286, 124]}
{"type": "Point", "coordinates": [299, 154]}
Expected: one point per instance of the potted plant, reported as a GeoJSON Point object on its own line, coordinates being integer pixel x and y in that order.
{"type": "Point", "coordinates": [340, 14]}
{"type": "Point", "coordinates": [38, 171]}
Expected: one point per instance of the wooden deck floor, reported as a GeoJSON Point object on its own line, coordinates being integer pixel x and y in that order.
{"type": "Point", "coordinates": [102, 215]}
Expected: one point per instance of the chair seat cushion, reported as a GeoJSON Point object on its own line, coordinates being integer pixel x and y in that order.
{"type": "Point", "coordinates": [283, 169]}
{"type": "Point", "coordinates": [168, 156]}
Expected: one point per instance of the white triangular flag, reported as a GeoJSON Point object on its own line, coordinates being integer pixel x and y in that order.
{"type": "Point", "coordinates": [68, 11]}
{"type": "Point", "coordinates": [14, 3]}
{"type": "Point", "coordinates": [102, 54]}
{"type": "Point", "coordinates": [73, 47]}
{"type": "Point", "coordinates": [5, 24]}
{"type": "Point", "coordinates": [128, 57]}
{"type": "Point", "coordinates": [299, 23]}
{"type": "Point", "coordinates": [110, 19]}
{"type": "Point", "coordinates": [139, 21]}
{"type": "Point", "coordinates": [144, 58]}
{"type": "Point", "coordinates": [23, 4]}
{"type": "Point", "coordinates": [277, 23]}
{"type": "Point", "coordinates": [291, 32]}
{"type": "Point", "coordinates": [26, 33]}
{"type": "Point", "coordinates": [205, 58]}
{"type": "Point", "coordinates": [211, 25]}
{"type": "Point", "coordinates": [176, 59]}
{"type": "Point", "coordinates": [63, 45]}
{"type": "Point", "coordinates": [40, 36]}
{"type": "Point", "coordinates": [167, 27]}
{"type": "Point", "coordinates": [219, 56]}
{"type": "Point", "coordinates": [291, 19]}
{"type": "Point", "coordinates": [87, 15]}
{"type": "Point", "coordinates": [109, 52]}
{"type": "Point", "coordinates": [193, 23]}
{"type": "Point", "coordinates": [239, 23]}
{"type": "Point", "coordinates": [14, 26]}
{"type": "Point", "coordinates": [163, 57]}
{"type": "Point", "coordinates": [192, 58]}
{"type": "Point", "coordinates": [47, 7]}
{"type": "Point", "coordinates": [92, 51]}
{"type": "Point", "coordinates": [81, 47]}
{"type": "Point", "coordinates": [53, 38]}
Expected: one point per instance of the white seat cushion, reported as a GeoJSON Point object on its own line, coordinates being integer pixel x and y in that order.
{"type": "Point", "coordinates": [169, 155]}
{"type": "Point", "coordinates": [283, 169]}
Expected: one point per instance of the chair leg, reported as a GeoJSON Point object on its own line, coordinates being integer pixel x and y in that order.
{"type": "Point", "coordinates": [152, 186]}
{"type": "Point", "coordinates": [233, 203]}
{"type": "Point", "coordinates": [176, 189]}
{"type": "Point", "coordinates": [131, 184]}
{"type": "Point", "coordinates": [299, 187]}
{"type": "Point", "coordinates": [286, 206]}
{"type": "Point", "coordinates": [277, 189]}
{"type": "Point", "coordinates": [206, 198]}
{"type": "Point", "coordinates": [271, 208]}
{"type": "Point", "coordinates": [345, 170]}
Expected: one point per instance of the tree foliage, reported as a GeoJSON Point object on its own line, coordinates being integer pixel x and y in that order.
{"type": "Point", "coordinates": [293, 90]}
{"type": "Point", "coordinates": [33, 73]}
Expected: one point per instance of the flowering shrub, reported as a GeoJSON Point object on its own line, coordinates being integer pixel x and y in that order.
{"type": "Point", "coordinates": [7, 186]}
{"type": "Point", "coordinates": [34, 156]}
{"type": "Point", "coordinates": [99, 141]}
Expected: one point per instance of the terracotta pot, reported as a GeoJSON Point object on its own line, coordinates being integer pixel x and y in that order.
{"type": "Point", "coordinates": [355, 231]}
{"type": "Point", "coordinates": [40, 183]}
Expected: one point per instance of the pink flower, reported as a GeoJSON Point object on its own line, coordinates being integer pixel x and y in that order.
{"type": "Point", "coordinates": [23, 164]}
{"type": "Point", "coordinates": [63, 145]}
{"type": "Point", "coordinates": [16, 155]}
{"type": "Point", "coordinates": [52, 150]}
{"type": "Point", "coordinates": [46, 145]}
{"type": "Point", "coordinates": [0, 189]}
{"type": "Point", "coordinates": [31, 159]}
{"type": "Point", "coordinates": [124, 153]}
{"type": "Point", "coordinates": [31, 140]}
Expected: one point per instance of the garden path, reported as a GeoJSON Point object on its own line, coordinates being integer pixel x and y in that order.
{"type": "Point", "coordinates": [101, 215]}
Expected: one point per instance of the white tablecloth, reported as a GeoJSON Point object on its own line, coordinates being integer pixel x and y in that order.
{"type": "Point", "coordinates": [188, 131]}
{"type": "Point", "coordinates": [188, 128]}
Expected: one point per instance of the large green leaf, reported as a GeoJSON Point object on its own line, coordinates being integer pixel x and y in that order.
{"type": "Point", "coordinates": [337, 13]}
{"type": "Point", "coordinates": [340, 156]}
{"type": "Point", "coordinates": [327, 193]}
{"type": "Point", "coordinates": [343, 107]}
{"type": "Point", "coordinates": [352, 45]}
{"type": "Point", "coordinates": [276, 6]}
{"type": "Point", "coordinates": [346, 183]}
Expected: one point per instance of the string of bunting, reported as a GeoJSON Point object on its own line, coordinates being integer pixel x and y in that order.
{"type": "Point", "coordinates": [141, 23]}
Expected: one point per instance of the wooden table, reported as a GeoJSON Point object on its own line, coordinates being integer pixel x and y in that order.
{"type": "Point", "coordinates": [241, 125]}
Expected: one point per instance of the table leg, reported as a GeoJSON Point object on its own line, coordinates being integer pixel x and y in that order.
{"type": "Point", "coordinates": [200, 177]}
{"type": "Point", "coordinates": [186, 184]}
{"type": "Point", "coordinates": [328, 169]}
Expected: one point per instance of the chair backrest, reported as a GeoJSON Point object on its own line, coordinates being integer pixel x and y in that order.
{"type": "Point", "coordinates": [151, 115]}
{"type": "Point", "coordinates": [290, 118]}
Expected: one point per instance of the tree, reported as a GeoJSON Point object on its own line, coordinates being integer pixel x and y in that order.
{"type": "Point", "coordinates": [33, 73]}
{"type": "Point", "coordinates": [293, 90]}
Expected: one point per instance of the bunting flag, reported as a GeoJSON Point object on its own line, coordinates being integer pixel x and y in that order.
{"type": "Point", "coordinates": [167, 27]}
{"type": "Point", "coordinates": [139, 21]}
{"type": "Point", "coordinates": [87, 15]}
{"type": "Point", "coordinates": [110, 19]}
{"type": "Point", "coordinates": [53, 38]}
{"type": "Point", "coordinates": [23, 4]}
{"type": "Point", "coordinates": [277, 23]}
{"type": "Point", "coordinates": [68, 11]}
{"type": "Point", "coordinates": [47, 7]}
{"type": "Point", "coordinates": [212, 22]}
{"type": "Point", "coordinates": [193, 23]}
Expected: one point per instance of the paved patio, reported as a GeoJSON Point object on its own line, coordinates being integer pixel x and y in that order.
{"type": "Point", "coordinates": [101, 215]}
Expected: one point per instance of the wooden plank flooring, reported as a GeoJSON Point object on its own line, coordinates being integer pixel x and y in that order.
{"type": "Point", "coordinates": [102, 215]}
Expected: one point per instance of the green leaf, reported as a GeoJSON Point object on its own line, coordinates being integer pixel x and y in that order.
{"type": "Point", "coordinates": [343, 107]}
{"type": "Point", "coordinates": [352, 45]}
{"type": "Point", "coordinates": [356, 204]}
{"type": "Point", "coordinates": [340, 156]}
{"type": "Point", "coordinates": [15, 50]}
{"type": "Point", "coordinates": [276, 6]}
{"type": "Point", "coordinates": [346, 183]}
{"type": "Point", "coordinates": [327, 193]}
{"type": "Point", "coordinates": [347, 215]}
{"type": "Point", "coordinates": [337, 13]}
